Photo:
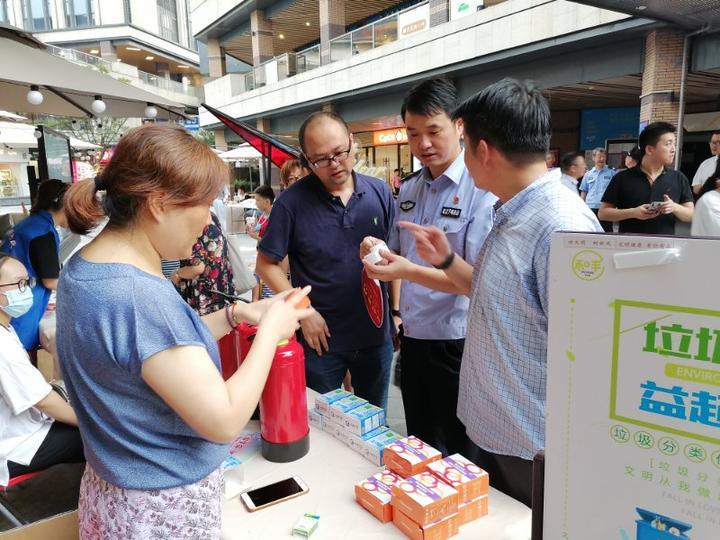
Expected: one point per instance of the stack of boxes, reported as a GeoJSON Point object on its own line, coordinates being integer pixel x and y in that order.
{"type": "Point", "coordinates": [426, 497]}
{"type": "Point", "coordinates": [353, 421]}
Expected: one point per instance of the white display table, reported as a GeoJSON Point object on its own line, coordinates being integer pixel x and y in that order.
{"type": "Point", "coordinates": [331, 471]}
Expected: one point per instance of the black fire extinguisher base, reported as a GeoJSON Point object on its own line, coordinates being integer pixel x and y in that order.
{"type": "Point", "coordinates": [286, 452]}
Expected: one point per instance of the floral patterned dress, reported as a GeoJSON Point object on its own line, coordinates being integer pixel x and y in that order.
{"type": "Point", "coordinates": [210, 249]}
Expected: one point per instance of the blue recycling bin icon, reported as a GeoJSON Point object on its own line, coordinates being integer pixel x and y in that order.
{"type": "Point", "coordinates": [654, 526]}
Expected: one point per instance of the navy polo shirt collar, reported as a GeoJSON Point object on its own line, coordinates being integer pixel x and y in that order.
{"type": "Point", "coordinates": [360, 187]}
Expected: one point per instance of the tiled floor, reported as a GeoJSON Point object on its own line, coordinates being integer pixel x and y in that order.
{"type": "Point", "coordinates": [56, 490]}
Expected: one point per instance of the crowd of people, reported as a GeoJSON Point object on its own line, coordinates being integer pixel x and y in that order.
{"type": "Point", "coordinates": [463, 295]}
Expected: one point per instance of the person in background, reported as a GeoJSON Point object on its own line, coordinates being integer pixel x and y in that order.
{"type": "Point", "coordinates": [632, 158]}
{"type": "Point", "coordinates": [550, 160]}
{"type": "Point", "coordinates": [706, 168]}
{"type": "Point", "coordinates": [264, 198]}
{"type": "Point", "coordinates": [207, 271]}
{"type": "Point", "coordinates": [504, 366]}
{"type": "Point", "coordinates": [706, 218]}
{"type": "Point", "coordinates": [36, 243]}
{"type": "Point", "coordinates": [38, 428]}
{"type": "Point", "coordinates": [594, 183]}
{"type": "Point", "coordinates": [432, 311]}
{"type": "Point", "coordinates": [573, 167]}
{"type": "Point", "coordinates": [651, 197]}
{"type": "Point", "coordinates": [319, 224]}
{"type": "Point", "coordinates": [142, 368]}
{"type": "Point", "coordinates": [395, 180]}
{"type": "Point", "coordinates": [290, 172]}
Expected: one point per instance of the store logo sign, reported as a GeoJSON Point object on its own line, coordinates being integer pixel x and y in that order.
{"type": "Point", "coordinates": [390, 136]}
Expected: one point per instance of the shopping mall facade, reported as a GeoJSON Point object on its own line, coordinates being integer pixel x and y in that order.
{"type": "Point", "coordinates": [606, 73]}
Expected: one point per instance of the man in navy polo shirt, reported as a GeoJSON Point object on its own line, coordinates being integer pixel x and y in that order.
{"type": "Point", "coordinates": [319, 222]}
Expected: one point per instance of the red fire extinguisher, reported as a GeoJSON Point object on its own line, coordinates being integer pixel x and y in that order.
{"type": "Point", "coordinates": [283, 404]}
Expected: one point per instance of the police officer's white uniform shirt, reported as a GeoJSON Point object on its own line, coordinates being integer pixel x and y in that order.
{"type": "Point", "coordinates": [465, 213]}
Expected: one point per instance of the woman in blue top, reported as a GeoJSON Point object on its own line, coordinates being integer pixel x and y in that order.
{"type": "Point", "coordinates": [141, 367]}
{"type": "Point", "coordinates": [35, 242]}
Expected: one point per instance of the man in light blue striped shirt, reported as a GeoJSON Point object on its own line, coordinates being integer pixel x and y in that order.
{"type": "Point", "coordinates": [502, 380]}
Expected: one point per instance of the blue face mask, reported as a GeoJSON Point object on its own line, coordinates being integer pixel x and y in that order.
{"type": "Point", "coordinates": [19, 302]}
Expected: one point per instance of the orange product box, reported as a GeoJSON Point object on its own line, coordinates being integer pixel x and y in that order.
{"type": "Point", "coordinates": [374, 494]}
{"type": "Point", "coordinates": [462, 474]}
{"type": "Point", "coordinates": [409, 456]}
{"type": "Point", "coordinates": [424, 498]}
{"type": "Point", "coordinates": [439, 530]}
{"type": "Point", "coordinates": [470, 511]}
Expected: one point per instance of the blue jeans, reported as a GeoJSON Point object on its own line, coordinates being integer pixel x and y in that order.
{"type": "Point", "coordinates": [369, 368]}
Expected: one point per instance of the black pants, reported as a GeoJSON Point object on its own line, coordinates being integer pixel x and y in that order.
{"type": "Point", "coordinates": [62, 444]}
{"type": "Point", "coordinates": [429, 381]}
{"type": "Point", "coordinates": [509, 474]}
{"type": "Point", "coordinates": [606, 225]}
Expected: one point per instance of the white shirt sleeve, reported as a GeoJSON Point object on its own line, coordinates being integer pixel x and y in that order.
{"type": "Point", "coordinates": [706, 217]}
{"type": "Point", "coordinates": [21, 384]}
{"type": "Point", "coordinates": [704, 171]}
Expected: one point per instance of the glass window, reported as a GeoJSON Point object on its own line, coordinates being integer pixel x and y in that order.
{"type": "Point", "coordinates": [36, 14]}
{"type": "Point", "coordinates": [167, 16]}
{"type": "Point", "coordinates": [385, 31]}
{"type": "Point", "coordinates": [78, 13]}
{"type": "Point", "coordinates": [4, 11]}
{"type": "Point", "coordinates": [362, 40]}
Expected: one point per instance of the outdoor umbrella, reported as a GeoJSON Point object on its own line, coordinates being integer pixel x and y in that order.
{"type": "Point", "coordinates": [270, 147]}
{"type": "Point", "coordinates": [68, 89]}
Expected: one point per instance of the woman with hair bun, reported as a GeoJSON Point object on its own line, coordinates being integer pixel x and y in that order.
{"type": "Point", "coordinates": [141, 367]}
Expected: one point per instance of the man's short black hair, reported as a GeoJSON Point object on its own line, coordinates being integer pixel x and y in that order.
{"type": "Point", "coordinates": [567, 160]}
{"type": "Point", "coordinates": [316, 116]}
{"type": "Point", "coordinates": [715, 132]}
{"type": "Point", "coordinates": [430, 98]}
{"type": "Point", "coordinates": [511, 116]}
{"type": "Point", "coordinates": [652, 133]}
{"type": "Point", "coordinates": [266, 192]}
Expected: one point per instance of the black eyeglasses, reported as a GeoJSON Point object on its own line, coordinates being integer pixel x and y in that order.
{"type": "Point", "coordinates": [22, 284]}
{"type": "Point", "coordinates": [335, 158]}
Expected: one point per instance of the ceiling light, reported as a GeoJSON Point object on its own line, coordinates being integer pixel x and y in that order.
{"type": "Point", "coordinates": [150, 111]}
{"type": "Point", "coordinates": [131, 49]}
{"type": "Point", "coordinates": [641, 8]}
{"type": "Point", "coordinates": [149, 58]}
{"type": "Point", "coordinates": [34, 96]}
{"type": "Point", "coordinates": [307, 23]}
{"type": "Point", "coordinates": [98, 106]}
{"type": "Point", "coordinates": [94, 51]}
{"type": "Point", "coordinates": [282, 36]}
{"type": "Point", "coordinates": [183, 66]}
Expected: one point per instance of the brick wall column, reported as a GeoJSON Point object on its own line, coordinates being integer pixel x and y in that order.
{"type": "Point", "coordinates": [660, 97]}
{"type": "Point", "coordinates": [332, 25]}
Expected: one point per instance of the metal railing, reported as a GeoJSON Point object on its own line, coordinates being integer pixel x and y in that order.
{"type": "Point", "coordinates": [81, 58]}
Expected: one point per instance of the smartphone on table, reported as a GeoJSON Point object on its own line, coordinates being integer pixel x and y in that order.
{"type": "Point", "coordinates": [262, 497]}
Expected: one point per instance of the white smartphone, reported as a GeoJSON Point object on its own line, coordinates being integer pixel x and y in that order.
{"type": "Point", "coordinates": [265, 496]}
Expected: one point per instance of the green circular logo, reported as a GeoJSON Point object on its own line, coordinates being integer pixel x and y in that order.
{"type": "Point", "coordinates": [588, 265]}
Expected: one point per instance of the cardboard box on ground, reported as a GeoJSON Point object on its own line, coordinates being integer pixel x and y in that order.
{"type": "Point", "coordinates": [60, 527]}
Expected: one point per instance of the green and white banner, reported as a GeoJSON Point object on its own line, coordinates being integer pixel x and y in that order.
{"type": "Point", "coordinates": [633, 394]}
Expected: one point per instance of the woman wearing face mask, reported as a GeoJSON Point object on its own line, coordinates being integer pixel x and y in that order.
{"type": "Point", "coordinates": [37, 427]}
{"type": "Point", "coordinates": [35, 242]}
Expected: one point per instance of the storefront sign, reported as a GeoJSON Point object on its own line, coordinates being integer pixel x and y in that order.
{"type": "Point", "coordinates": [390, 136]}
{"type": "Point", "coordinates": [462, 8]}
{"type": "Point", "coordinates": [599, 125]}
{"type": "Point", "coordinates": [633, 394]}
{"type": "Point", "coordinates": [413, 21]}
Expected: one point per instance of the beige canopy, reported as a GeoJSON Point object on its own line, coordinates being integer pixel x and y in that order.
{"type": "Point", "coordinates": [68, 88]}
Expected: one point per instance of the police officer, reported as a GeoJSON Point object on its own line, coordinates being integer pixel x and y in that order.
{"type": "Point", "coordinates": [595, 182]}
{"type": "Point", "coordinates": [433, 310]}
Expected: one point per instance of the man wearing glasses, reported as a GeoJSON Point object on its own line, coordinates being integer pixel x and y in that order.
{"type": "Point", "coordinates": [319, 223]}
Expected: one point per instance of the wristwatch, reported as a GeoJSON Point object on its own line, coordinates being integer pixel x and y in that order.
{"type": "Point", "coordinates": [395, 313]}
{"type": "Point", "coordinates": [446, 263]}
